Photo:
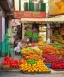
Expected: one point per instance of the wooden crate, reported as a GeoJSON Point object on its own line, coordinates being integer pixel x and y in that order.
{"type": "Point", "coordinates": [58, 69]}
{"type": "Point", "coordinates": [26, 72]}
{"type": "Point", "coordinates": [6, 67]}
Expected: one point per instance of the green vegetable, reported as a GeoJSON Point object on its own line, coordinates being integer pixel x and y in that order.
{"type": "Point", "coordinates": [57, 46]}
{"type": "Point", "coordinates": [28, 34]}
{"type": "Point", "coordinates": [31, 61]}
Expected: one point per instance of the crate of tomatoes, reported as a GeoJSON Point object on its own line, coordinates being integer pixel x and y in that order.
{"type": "Point", "coordinates": [9, 63]}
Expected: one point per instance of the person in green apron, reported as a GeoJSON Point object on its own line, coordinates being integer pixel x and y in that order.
{"type": "Point", "coordinates": [35, 35]}
{"type": "Point", "coordinates": [28, 34]}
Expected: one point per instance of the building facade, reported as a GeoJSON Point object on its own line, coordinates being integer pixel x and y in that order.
{"type": "Point", "coordinates": [56, 7]}
{"type": "Point", "coordinates": [6, 7]}
{"type": "Point", "coordinates": [30, 5]}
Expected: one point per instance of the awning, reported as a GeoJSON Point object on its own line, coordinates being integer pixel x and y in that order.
{"type": "Point", "coordinates": [60, 19]}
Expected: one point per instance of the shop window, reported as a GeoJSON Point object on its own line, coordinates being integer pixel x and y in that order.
{"type": "Point", "coordinates": [31, 6]}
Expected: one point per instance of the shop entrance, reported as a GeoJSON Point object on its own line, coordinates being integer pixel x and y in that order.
{"type": "Point", "coordinates": [19, 31]}
{"type": "Point", "coordinates": [34, 31]}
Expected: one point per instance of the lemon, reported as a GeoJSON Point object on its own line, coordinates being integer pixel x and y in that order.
{"type": "Point", "coordinates": [40, 71]}
{"type": "Point", "coordinates": [32, 70]}
{"type": "Point", "coordinates": [29, 64]}
{"type": "Point", "coordinates": [29, 71]}
{"type": "Point", "coordinates": [36, 70]}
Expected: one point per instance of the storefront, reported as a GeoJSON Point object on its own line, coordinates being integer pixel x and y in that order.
{"type": "Point", "coordinates": [31, 19]}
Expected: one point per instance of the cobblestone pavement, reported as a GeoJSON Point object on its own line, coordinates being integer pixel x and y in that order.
{"type": "Point", "coordinates": [19, 74]}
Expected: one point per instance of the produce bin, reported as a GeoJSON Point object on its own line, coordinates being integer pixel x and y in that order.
{"type": "Point", "coordinates": [6, 67]}
{"type": "Point", "coordinates": [48, 65]}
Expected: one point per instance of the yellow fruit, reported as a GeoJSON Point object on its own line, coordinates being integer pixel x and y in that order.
{"type": "Point", "coordinates": [40, 70]}
{"type": "Point", "coordinates": [39, 67]}
{"type": "Point", "coordinates": [32, 70]}
{"type": "Point", "coordinates": [36, 70]}
{"type": "Point", "coordinates": [29, 71]}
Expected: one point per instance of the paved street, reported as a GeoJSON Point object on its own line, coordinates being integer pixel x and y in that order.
{"type": "Point", "coordinates": [19, 74]}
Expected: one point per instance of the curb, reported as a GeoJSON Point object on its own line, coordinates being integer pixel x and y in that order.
{"type": "Point", "coordinates": [10, 70]}
{"type": "Point", "coordinates": [18, 70]}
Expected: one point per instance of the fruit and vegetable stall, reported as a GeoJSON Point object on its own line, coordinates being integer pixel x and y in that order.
{"type": "Point", "coordinates": [36, 59]}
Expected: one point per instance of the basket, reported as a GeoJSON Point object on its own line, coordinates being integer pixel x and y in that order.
{"type": "Point", "coordinates": [6, 67]}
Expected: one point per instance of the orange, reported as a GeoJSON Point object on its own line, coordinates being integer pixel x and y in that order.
{"type": "Point", "coordinates": [29, 71]}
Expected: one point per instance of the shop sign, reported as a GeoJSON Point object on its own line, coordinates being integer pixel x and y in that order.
{"type": "Point", "coordinates": [29, 14]}
{"type": "Point", "coordinates": [0, 13]}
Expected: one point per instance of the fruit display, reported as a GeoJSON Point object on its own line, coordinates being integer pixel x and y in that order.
{"type": "Point", "coordinates": [22, 61]}
{"type": "Point", "coordinates": [50, 58]}
{"type": "Point", "coordinates": [14, 64]}
{"type": "Point", "coordinates": [32, 44]}
{"type": "Point", "coordinates": [40, 43]}
{"type": "Point", "coordinates": [35, 57]}
{"type": "Point", "coordinates": [9, 62]}
{"type": "Point", "coordinates": [50, 49]}
{"type": "Point", "coordinates": [31, 51]}
{"type": "Point", "coordinates": [57, 38]}
{"type": "Point", "coordinates": [34, 66]}
{"type": "Point", "coordinates": [58, 65]}
{"type": "Point", "coordinates": [62, 52]}
{"type": "Point", "coordinates": [61, 60]}
{"type": "Point", "coordinates": [6, 62]}
{"type": "Point", "coordinates": [57, 46]}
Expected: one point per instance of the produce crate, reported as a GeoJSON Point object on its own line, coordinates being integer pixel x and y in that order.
{"type": "Point", "coordinates": [35, 72]}
{"type": "Point", "coordinates": [15, 68]}
{"type": "Point", "coordinates": [6, 67]}
{"type": "Point", "coordinates": [58, 69]}
{"type": "Point", "coordinates": [48, 65]}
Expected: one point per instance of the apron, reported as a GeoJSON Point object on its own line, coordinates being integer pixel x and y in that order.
{"type": "Point", "coordinates": [35, 37]}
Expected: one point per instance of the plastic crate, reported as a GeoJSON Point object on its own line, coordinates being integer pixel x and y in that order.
{"type": "Point", "coordinates": [48, 65]}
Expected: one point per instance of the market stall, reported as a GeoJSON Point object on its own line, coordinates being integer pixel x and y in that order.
{"type": "Point", "coordinates": [38, 55]}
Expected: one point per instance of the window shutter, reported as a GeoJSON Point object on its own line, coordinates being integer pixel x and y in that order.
{"type": "Point", "coordinates": [31, 6]}
{"type": "Point", "coordinates": [43, 7]}
{"type": "Point", "coordinates": [26, 6]}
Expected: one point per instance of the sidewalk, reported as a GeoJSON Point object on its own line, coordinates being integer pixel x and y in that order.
{"type": "Point", "coordinates": [1, 59]}
{"type": "Point", "coordinates": [53, 71]}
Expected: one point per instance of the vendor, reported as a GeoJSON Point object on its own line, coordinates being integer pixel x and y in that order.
{"type": "Point", "coordinates": [28, 34]}
{"type": "Point", "coordinates": [35, 35]}
{"type": "Point", "coordinates": [18, 47]}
